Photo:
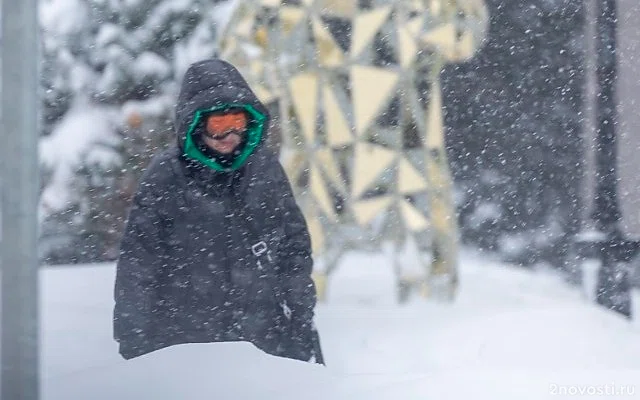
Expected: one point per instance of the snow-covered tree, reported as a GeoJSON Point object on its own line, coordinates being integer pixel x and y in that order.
{"type": "Point", "coordinates": [120, 62]}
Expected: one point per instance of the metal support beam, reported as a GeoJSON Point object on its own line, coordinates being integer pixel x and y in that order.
{"type": "Point", "coordinates": [610, 246]}
{"type": "Point", "coordinates": [20, 186]}
{"type": "Point", "coordinates": [606, 212]}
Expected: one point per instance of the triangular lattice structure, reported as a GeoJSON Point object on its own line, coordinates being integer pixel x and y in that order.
{"type": "Point", "coordinates": [368, 145]}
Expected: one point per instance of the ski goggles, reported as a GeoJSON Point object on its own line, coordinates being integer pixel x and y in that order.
{"type": "Point", "coordinates": [221, 125]}
{"type": "Point", "coordinates": [225, 134]}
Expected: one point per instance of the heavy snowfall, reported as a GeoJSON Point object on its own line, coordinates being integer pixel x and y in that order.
{"type": "Point", "coordinates": [541, 198]}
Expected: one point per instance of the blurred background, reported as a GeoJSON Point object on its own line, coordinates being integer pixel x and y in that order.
{"type": "Point", "coordinates": [522, 135]}
{"type": "Point", "coordinates": [519, 118]}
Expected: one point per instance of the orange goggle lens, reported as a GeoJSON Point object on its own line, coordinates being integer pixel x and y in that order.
{"type": "Point", "coordinates": [220, 123]}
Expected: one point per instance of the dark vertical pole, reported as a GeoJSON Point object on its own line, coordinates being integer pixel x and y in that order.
{"type": "Point", "coordinates": [575, 184]}
{"type": "Point", "coordinates": [613, 290]}
{"type": "Point", "coordinates": [606, 211]}
{"type": "Point", "coordinates": [19, 179]}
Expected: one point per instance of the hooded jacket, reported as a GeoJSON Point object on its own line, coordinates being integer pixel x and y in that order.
{"type": "Point", "coordinates": [215, 252]}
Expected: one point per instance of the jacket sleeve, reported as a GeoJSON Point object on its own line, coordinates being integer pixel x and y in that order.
{"type": "Point", "coordinates": [295, 254]}
{"type": "Point", "coordinates": [141, 256]}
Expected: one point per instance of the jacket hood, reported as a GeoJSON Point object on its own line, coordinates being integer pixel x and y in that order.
{"type": "Point", "coordinates": [212, 85]}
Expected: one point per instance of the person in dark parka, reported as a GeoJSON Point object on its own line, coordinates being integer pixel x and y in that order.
{"type": "Point", "coordinates": [216, 248]}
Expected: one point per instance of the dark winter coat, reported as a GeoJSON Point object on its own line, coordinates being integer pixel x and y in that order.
{"type": "Point", "coordinates": [213, 254]}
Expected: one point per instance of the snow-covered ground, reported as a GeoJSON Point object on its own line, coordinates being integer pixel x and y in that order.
{"type": "Point", "coordinates": [512, 334]}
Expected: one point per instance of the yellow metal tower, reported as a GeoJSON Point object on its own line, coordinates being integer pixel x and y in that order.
{"type": "Point", "coordinates": [356, 85]}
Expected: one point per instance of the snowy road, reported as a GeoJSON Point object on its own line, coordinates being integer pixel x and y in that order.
{"type": "Point", "coordinates": [512, 334]}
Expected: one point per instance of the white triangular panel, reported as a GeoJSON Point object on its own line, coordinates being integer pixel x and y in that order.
{"type": "Point", "coordinates": [329, 53]}
{"type": "Point", "coordinates": [465, 47]}
{"type": "Point", "coordinates": [419, 5]}
{"type": "Point", "coordinates": [442, 37]}
{"type": "Point", "coordinates": [290, 17]}
{"type": "Point", "coordinates": [244, 26]}
{"type": "Point", "coordinates": [371, 89]}
{"type": "Point", "coordinates": [413, 218]}
{"type": "Point", "coordinates": [409, 179]}
{"type": "Point", "coordinates": [342, 8]}
{"type": "Point", "coordinates": [435, 130]}
{"type": "Point", "coordinates": [472, 7]}
{"type": "Point", "coordinates": [367, 210]}
{"type": "Point", "coordinates": [316, 231]}
{"type": "Point", "coordinates": [264, 94]}
{"type": "Point", "coordinates": [415, 25]}
{"type": "Point", "coordinates": [271, 3]}
{"type": "Point", "coordinates": [441, 215]}
{"type": "Point", "coordinates": [407, 47]}
{"type": "Point", "coordinates": [337, 126]}
{"type": "Point", "coordinates": [229, 48]}
{"type": "Point", "coordinates": [436, 7]}
{"type": "Point", "coordinates": [294, 165]}
{"type": "Point", "coordinates": [304, 95]}
{"type": "Point", "coordinates": [320, 192]}
{"type": "Point", "coordinates": [328, 163]}
{"type": "Point", "coordinates": [370, 161]}
{"type": "Point", "coordinates": [365, 26]}
{"type": "Point", "coordinates": [257, 68]}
